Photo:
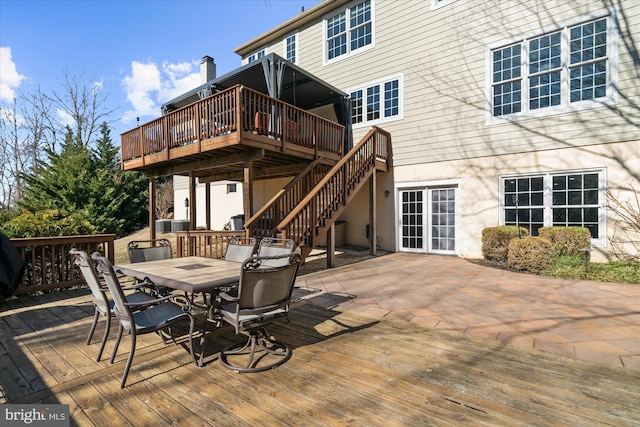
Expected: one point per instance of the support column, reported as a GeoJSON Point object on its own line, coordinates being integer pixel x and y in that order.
{"type": "Point", "coordinates": [247, 189]}
{"type": "Point", "coordinates": [152, 208]}
{"type": "Point", "coordinates": [192, 201]}
{"type": "Point", "coordinates": [331, 246]}
{"type": "Point", "coordinates": [373, 228]}
{"type": "Point", "coordinates": [207, 204]}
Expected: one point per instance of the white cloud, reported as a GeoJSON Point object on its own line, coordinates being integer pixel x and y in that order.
{"type": "Point", "coordinates": [65, 119]}
{"type": "Point", "coordinates": [149, 86]}
{"type": "Point", "coordinates": [8, 115]}
{"type": "Point", "coordinates": [10, 79]}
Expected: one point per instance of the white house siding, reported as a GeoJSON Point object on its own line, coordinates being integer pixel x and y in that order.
{"type": "Point", "coordinates": [479, 187]}
{"type": "Point", "coordinates": [445, 135]}
{"type": "Point", "coordinates": [223, 205]}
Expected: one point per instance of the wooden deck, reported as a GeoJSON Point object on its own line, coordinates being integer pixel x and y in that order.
{"type": "Point", "coordinates": [346, 369]}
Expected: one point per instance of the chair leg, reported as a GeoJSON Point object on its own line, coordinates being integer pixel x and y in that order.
{"type": "Point", "coordinates": [202, 341]}
{"type": "Point", "coordinates": [129, 359]}
{"type": "Point", "coordinates": [193, 355]}
{"type": "Point", "coordinates": [258, 342]}
{"type": "Point", "coordinates": [107, 327]}
{"type": "Point", "coordinates": [96, 314]}
{"type": "Point", "coordinates": [115, 347]}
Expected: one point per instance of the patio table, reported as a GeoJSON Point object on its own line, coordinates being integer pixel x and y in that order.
{"type": "Point", "coordinates": [188, 274]}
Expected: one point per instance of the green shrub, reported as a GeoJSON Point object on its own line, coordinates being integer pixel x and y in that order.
{"type": "Point", "coordinates": [532, 254]}
{"type": "Point", "coordinates": [495, 241]}
{"type": "Point", "coordinates": [567, 241]}
{"type": "Point", "coordinates": [46, 224]}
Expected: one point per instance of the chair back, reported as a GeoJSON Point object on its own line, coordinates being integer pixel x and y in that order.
{"type": "Point", "coordinates": [88, 270]}
{"type": "Point", "coordinates": [264, 288]}
{"type": "Point", "coordinates": [238, 250]}
{"type": "Point", "coordinates": [121, 311]}
{"type": "Point", "coordinates": [273, 247]}
{"type": "Point", "coordinates": [149, 250]}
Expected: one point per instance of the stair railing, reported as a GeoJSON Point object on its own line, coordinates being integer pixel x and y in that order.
{"type": "Point", "coordinates": [264, 222]}
{"type": "Point", "coordinates": [324, 203]}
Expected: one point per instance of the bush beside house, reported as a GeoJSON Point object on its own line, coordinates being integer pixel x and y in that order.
{"type": "Point", "coordinates": [517, 250]}
{"type": "Point", "coordinates": [495, 242]}
{"type": "Point", "coordinates": [530, 253]}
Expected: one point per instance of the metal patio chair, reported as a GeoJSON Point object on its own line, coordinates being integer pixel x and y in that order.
{"type": "Point", "coordinates": [160, 315]}
{"type": "Point", "coordinates": [264, 295]}
{"type": "Point", "coordinates": [272, 247]}
{"type": "Point", "coordinates": [150, 250]}
{"type": "Point", "coordinates": [103, 306]}
{"type": "Point", "coordinates": [239, 249]}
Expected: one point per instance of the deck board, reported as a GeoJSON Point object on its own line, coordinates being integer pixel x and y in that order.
{"type": "Point", "coordinates": [346, 369]}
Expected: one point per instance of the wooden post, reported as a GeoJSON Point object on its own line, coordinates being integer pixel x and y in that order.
{"type": "Point", "coordinates": [207, 204]}
{"type": "Point", "coordinates": [152, 208]}
{"type": "Point", "coordinates": [373, 229]}
{"type": "Point", "coordinates": [247, 189]}
{"type": "Point", "coordinates": [192, 201]}
{"type": "Point", "coordinates": [331, 246]}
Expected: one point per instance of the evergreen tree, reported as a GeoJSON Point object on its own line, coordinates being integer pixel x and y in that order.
{"type": "Point", "coordinates": [90, 184]}
{"type": "Point", "coordinates": [130, 189]}
{"type": "Point", "coordinates": [60, 181]}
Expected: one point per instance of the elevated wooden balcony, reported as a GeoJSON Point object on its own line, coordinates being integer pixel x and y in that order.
{"type": "Point", "coordinates": [213, 137]}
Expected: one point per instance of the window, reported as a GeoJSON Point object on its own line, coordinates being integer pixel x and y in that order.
{"type": "Point", "coordinates": [231, 188]}
{"type": "Point", "coordinates": [555, 199]}
{"type": "Point", "coordinates": [349, 31]}
{"type": "Point", "coordinates": [377, 102]}
{"type": "Point", "coordinates": [571, 67]}
{"type": "Point", "coordinates": [256, 56]}
{"type": "Point", "coordinates": [291, 48]}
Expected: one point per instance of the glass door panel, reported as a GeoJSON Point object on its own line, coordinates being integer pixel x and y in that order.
{"type": "Point", "coordinates": [412, 221]}
{"type": "Point", "coordinates": [443, 225]}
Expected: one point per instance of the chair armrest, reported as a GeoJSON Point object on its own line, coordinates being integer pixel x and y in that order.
{"type": "Point", "coordinates": [229, 298]}
{"type": "Point", "coordinates": [137, 286]}
{"type": "Point", "coordinates": [150, 302]}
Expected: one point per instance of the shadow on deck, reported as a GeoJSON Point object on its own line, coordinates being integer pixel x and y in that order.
{"type": "Point", "coordinates": [346, 368]}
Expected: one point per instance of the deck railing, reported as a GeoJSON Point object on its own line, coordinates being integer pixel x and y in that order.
{"type": "Point", "coordinates": [48, 264]}
{"type": "Point", "coordinates": [235, 110]}
{"type": "Point", "coordinates": [204, 243]}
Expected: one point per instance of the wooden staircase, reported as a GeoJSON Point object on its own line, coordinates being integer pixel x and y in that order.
{"type": "Point", "coordinates": [311, 203]}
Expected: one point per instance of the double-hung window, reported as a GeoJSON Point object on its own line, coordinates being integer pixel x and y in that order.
{"type": "Point", "coordinates": [377, 102]}
{"type": "Point", "coordinates": [555, 199]}
{"type": "Point", "coordinates": [569, 68]}
{"type": "Point", "coordinates": [291, 48]}
{"type": "Point", "coordinates": [349, 31]}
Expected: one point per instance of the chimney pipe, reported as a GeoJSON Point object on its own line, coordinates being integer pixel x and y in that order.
{"type": "Point", "coordinates": [207, 69]}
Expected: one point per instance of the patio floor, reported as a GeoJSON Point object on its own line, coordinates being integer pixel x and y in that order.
{"type": "Point", "coordinates": [376, 343]}
{"type": "Point", "coordinates": [581, 319]}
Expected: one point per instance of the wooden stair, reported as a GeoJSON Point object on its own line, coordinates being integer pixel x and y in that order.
{"type": "Point", "coordinates": [313, 209]}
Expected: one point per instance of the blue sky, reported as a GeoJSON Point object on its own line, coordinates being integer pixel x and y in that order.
{"type": "Point", "coordinates": [141, 52]}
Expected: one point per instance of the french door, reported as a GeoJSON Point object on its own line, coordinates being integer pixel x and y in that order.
{"type": "Point", "coordinates": [428, 220]}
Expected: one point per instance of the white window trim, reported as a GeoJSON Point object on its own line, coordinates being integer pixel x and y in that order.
{"type": "Point", "coordinates": [350, 53]}
{"type": "Point", "coordinates": [437, 4]}
{"type": "Point", "coordinates": [245, 60]}
{"type": "Point", "coordinates": [297, 48]}
{"type": "Point", "coordinates": [565, 107]}
{"type": "Point", "coordinates": [425, 186]}
{"type": "Point", "coordinates": [380, 82]}
{"type": "Point", "coordinates": [600, 242]}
